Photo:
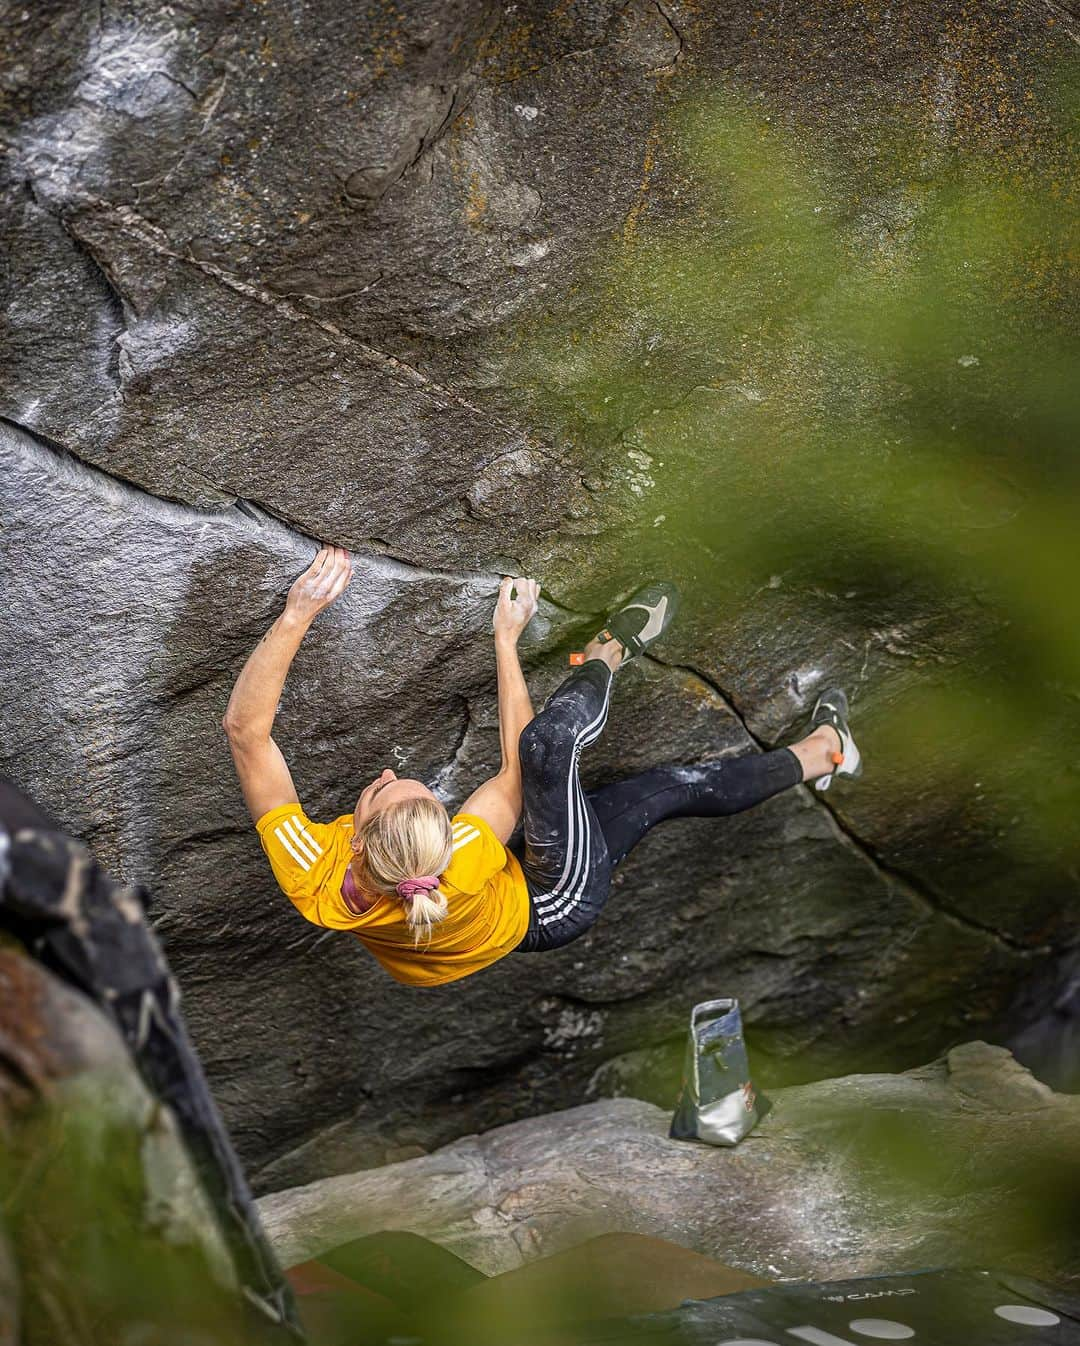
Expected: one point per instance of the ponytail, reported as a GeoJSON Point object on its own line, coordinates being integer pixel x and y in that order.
{"type": "Point", "coordinates": [423, 911]}
{"type": "Point", "coordinates": [406, 847]}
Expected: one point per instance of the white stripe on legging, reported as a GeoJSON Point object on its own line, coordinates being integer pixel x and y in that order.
{"type": "Point", "coordinates": [577, 844]}
{"type": "Point", "coordinates": [551, 906]}
{"type": "Point", "coordinates": [576, 823]}
{"type": "Point", "coordinates": [560, 904]}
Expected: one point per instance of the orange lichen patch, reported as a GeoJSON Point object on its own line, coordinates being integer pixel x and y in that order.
{"type": "Point", "coordinates": [476, 201]}
{"type": "Point", "coordinates": [960, 70]}
{"type": "Point", "coordinates": [460, 160]}
{"type": "Point", "coordinates": [976, 94]}
{"type": "Point", "coordinates": [385, 57]}
{"type": "Point", "coordinates": [387, 38]}
{"type": "Point", "coordinates": [629, 232]}
{"type": "Point", "coordinates": [510, 56]}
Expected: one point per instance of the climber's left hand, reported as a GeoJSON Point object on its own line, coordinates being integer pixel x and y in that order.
{"type": "Point", "coordinates": [512, 615]}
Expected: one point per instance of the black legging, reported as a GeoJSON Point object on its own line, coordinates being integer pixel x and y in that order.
{"type": "Point", "coordinates": [574, 838]}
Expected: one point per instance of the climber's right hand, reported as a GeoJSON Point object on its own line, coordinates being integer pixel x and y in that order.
{"type": "Point", "coordinates": [321, 583]}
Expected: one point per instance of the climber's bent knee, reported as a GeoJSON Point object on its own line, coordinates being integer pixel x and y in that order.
{"type": "Point", "coordinates": [537, 744]}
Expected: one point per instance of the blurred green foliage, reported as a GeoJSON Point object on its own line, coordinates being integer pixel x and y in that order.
{"type": "Point", "coordinates": [94, 1263]}
{"type": "Point", "coordinates": [858, 363]}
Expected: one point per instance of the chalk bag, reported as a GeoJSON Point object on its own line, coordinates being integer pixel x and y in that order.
{"type": "Point", "coordinates": [717, 1102]}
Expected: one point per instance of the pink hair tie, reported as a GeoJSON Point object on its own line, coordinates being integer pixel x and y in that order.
{"type": "Point", "coordinates": [424, 884]}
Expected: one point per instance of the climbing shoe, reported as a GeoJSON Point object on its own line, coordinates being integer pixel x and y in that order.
{"type": "Point", "coordinates": [642, 619]}
{"type": "Point", "coordinates": [832, 708]}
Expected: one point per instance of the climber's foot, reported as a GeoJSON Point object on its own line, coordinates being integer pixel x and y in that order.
{"type": "Point", "coordinates": [610, 653]}
{"type": "Point", "coordinates": [830, 715]}
{"type": "Point", "coordinates": [641, 620]}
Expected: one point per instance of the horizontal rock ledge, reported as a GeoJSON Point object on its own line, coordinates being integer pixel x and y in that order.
{"type": "Point", "coordinates": [867, 1174]}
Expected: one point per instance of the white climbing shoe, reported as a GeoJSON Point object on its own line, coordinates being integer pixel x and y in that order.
{"type": "Point", "coordinates": [643, 618]}
{"type": "Point", "coordinates": [832, 708]}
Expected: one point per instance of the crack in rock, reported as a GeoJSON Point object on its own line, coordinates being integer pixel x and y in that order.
{"type": "Point", "coordinates": [913, 889]}
{"type": "Point", "coordinates": [133, 225]}
{"type": "Point", "coordinates": [669, 67]}
{"type": "Point", "coordinates": [210, 101]}
{"type": "Point", "coordinates": [115, 300]}
{"type": "Point", "coordinates": [58, 458]}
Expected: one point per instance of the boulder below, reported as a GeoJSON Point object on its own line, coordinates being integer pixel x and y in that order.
{"type": "Point", "coordinates": [969, 1160]}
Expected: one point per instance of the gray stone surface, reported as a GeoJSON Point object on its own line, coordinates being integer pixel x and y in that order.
{"type": "Point", "coordinates": [969, 1160]}
{"type": "Point", "coordinates": [269, 273]}
{"type": "Point", "coordinates": [313, 1052]}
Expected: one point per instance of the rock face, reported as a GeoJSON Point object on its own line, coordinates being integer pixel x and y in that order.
{"type": "Point", "coordinates": [969, 1159]}
{"type": "Point", "coordinates": [267, 271]}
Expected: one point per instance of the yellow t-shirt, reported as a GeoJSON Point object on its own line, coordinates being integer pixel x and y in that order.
{"type": "Point", "coordinates": [487, 900]}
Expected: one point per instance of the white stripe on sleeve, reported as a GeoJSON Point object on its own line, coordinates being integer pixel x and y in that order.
{"type": "Point", "coordinates": [290, 848]}
{"type": "Point", "coordinates": [312, 843]}
{"type": "Point", "coordinates": [301, 846]}
{"type": "Point", "coordinates": [464, 838]}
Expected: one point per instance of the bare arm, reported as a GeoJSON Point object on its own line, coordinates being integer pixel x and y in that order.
{"type": "Point", "coordinates": [255, 695]}
{"type": "Point", "coordinates": [498, 800]}
{"type": "Point", "coordinates": [249, 717]}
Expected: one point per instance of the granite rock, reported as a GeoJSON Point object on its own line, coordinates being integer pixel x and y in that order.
{"type": "Point", "coordinates": [967, 1160]}
{"type": "Point", "coordinates": [269, 272]}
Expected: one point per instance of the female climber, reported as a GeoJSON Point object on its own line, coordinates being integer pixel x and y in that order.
{"type": "Point", "coordinates": [436, 896]}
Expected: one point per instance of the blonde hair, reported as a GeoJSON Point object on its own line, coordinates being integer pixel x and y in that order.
{"type": "Point", "coordinates": [404, 841]}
